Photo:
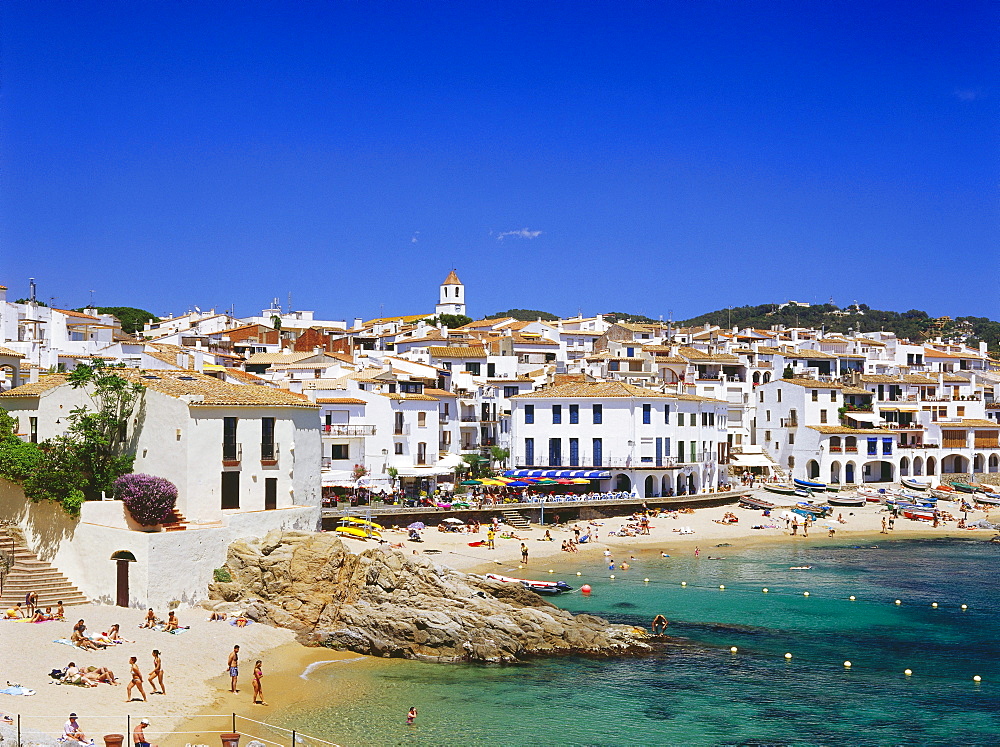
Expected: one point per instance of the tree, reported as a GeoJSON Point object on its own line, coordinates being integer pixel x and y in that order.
{"type": "Point", "coordinates": [451, 321]}
{"type": "Point", "coordinates": [788, 373]}
{"type": "Point", "coordinates": [474, 463]}
{"type": "Point", "coordinates": [498, 454]}
{"type": "Point", "coordinates": [133, 320]}
{"type": "Point", "coordinates": [524, 315]}
{"type": "Point", "coordinates": [393, 476]}
{"type": "Point", "coordinates": [276, 322]}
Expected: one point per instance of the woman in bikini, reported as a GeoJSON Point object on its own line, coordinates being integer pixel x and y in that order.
{"type": "Point", "coordinates": [136, 680]}
{"type": "Point", "coordinates": [258, 688]}
{"type": "Point", "coordinates": [156, 675]}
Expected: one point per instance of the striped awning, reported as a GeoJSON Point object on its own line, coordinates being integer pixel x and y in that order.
{"type": "Point", "coordinates": [588, 474]}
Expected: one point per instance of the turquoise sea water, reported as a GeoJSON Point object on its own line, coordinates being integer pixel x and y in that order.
{"type": "Point", "coordinates": [695, 691]}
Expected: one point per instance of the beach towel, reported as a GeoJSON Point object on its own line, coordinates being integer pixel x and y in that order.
{"type": "Point", "coordinates": [65, 642]}
{"type": "Point", "coordinates": [17, 690]}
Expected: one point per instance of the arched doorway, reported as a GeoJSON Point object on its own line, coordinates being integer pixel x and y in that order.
{"type": "Point", "coordinates": [122, 558]}
{"type": "Point", "coordinates": [918, 466]}
{"type": "Point", "coordinates": [994, 463]}
{"type": "Point", "coordinates": [954, 464]}
{"type": "Point", "coordinates": [849, 473]}
{"type": "Point", "coordinates": [667, 485]}
{"type": "Point", "coordinates": [978, 463]}
{"type": "Point", "coordinates": [649, 487]}
{"type": "Point", "coordinates": [681, 484]}
{"type": "Point", "coordinates": [756, 378]}
{"type": "Point", "coordinates": [835, 472]}
{"type": "Point", "coordinates": [767, 376]}
{"type": "Point", "coordinates": [904, 467]}
{"type": "Point", "coordinates": [812, 469]}
{"type": "Point", "coordinates": [877, 471]}
{"type": "Point", "coordinates": [931, 466]}
{"type": "Point", "coordinates": [623, 484]}
{"type": "Point", "coordinates": [693, 483]}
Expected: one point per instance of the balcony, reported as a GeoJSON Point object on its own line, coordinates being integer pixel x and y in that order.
{"type": "Point", "coordinates": [469, 419]}
{"type": "Point", "coordinates": [401, 430]}
{"type": "Point", "coordinates": [232, 454]}
{"type": "Point", "coordinates": [269, 454]}
{"type": "Point", "coordinates": [349, 430]}
{"type": "Point", "coordinates": [789, 422]}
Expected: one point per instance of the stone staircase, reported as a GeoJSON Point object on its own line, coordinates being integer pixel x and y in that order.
{"type": "Point", "coordinates": [28, 573]}
{"type": "Point", "coordinates": [175, 522]}
{"type": "Point", "coordinates": [515, 519]}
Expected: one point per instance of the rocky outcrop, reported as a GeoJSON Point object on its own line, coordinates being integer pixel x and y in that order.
{"type": "Point", "coordinates": [384, 603]}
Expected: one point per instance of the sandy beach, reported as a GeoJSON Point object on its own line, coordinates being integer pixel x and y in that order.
{"type": "Point", "coordinates": [194, 661]}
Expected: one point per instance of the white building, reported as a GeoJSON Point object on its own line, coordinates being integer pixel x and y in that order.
{"type": "Point", "coordinates": [452, 296]}
{"type": "Point", "coordinates": [646, 441]}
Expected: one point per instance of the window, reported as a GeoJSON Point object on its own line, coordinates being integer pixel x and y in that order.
{"type": "Point", "coordinates": [491, 370]}
{"type": "Point", "coordinates": [556, 414]}
{"type": "Point", "coordinates": [446, 409]}
{"type": "Point", "coordinates": [398, 447]}
{"type": "Point", "coordinates": [397, 418]}
{"type": "Point", "coordinates": [270, 493]}
{"type": "Point", "coordinates": [680, 418]}
{"type": "Point", "coordinates": [815, 395]}
{"type": "Point", "coordinates": [680, 451]}
{"type": "Point", "coordinates": [791, 438]}
{"type": "Point", "coordinates": [647, 414]}
{"type": "Point", "coordinates": [574, 452]}
{"type": "Point", "coordinates": [529, 451]}
{"type": "Point", "coordinates": [960, 411]}
{"type": "Point", "coordinates": [704, 418]}
{"type": "Point", "coordinates": [694, 451]}
{"type": "Point", "coordinates": [767, 435]}
{"type": "Point", "coordinates": [33, 429]}
{"type": "Point", "coordinates": [509, 391]}
{"type": "Point", "coordinates": [598, 449]}
{"type": "Point", "coordinates": [229, 448]}
{"type": "Point", "coordinates": [666, 414]}
{"type": "Point", "coordinates": [833, 395]}
{"type": "Point", "coordinates": [472, 367]}
{"type": "Point", "coordinates": [529, 414]}
{"type": "Point", "coordinates": [555, 452]}
{"type": "Point", "coordinates": [410, 387]}
{"type": "Point", "coordinates": [267, 438]}
{"type": "Point", "coordinates": [779, 394]}
{"type": "Point", "coordinates": [598, 411]}
{"type": "Point", "coordinates": [711, 418]}
{"type": "Point", "coordinates": [392, 388]}
{"type": "Point", "coordinates": [421, 453]}
{"type": "Point", "coordinates": [613, 365]}
{"type": "Point", "coordinates": [341, 451]}
{"type": "Point", "coordinates": [421, 420]}
{"type": "Point", "coordinates": [762, 396]}
{"type": "Point", "coordinates": [822, 416]}
{"type": "Point", "coordinates": [630, 352]}
{"type": "Point", "coordinates": [574, 414]}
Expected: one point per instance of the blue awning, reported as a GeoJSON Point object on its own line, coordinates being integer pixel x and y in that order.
{"type": "Point", "coordinates": [588, 474]}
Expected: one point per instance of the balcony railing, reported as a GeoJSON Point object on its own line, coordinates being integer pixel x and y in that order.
{"type": "Point", "coordinates": [269, 453]}
{"type": "Point", "coordinates": [469, 419]}
{"type": "Point", "coordinates": [585, 461]}
{"type": "Point", "coordinates": [789, 422]}
{"type": "Point", "coordinates": [349, 430]}
{"type": "Point", "coordinates": [401, 430]}
{"type": "Point", "coordinates": [232, 454]}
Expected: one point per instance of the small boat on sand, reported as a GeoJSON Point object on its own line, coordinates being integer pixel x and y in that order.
{"type": "Point", "coordinates": [810, 484]}
{"type": "Point", "coordinates": [992, 500]}
{"type": "Point", "coordinates": [779, 489]}
{"type": "Point", "coordinates": [760, 504]}
{"type": "Point", "coordinates": [962, 487]}
{"type": "Point", "coordinates": [539, 587]}
{"type": "Point", "coordinates": [847, 500]}
{"type": "Point", "coordinates": [918, 512]}
{"type": "Point", "coordinates": [914, 484]}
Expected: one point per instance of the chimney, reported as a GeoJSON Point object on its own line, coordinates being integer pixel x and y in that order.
{"type": "Point", "coordinates": [199, 359]}
{"type": "Point", "coordinates": [181, 360]}
{"type": "Point", "coordinates": [33, 375]}
{"type": "Point", "coordinates": [357, 322]}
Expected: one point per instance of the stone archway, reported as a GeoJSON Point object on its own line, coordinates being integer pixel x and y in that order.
{"type": "Point", "coordinates": [979, 463]}
{"type": "Point", "coordinates": [918, 466]}
{"type": "Point", "coordinates": [904, 467]}
{"type": "Point", "coordinates": [877, 471]}
{"type": "Point", "coordinates": [649, 487]}
{"type": "Point", "coordinates": [123, 558]}
{"type": "Point", "coordinates": [835, 472]}
{"type": "Point", "coordinates": [954, 464]}
{"type": "Point", "coordinates": [812, 469]}
{"type": "Point", "coordinates": [994, 463]}
{"type": "Point", "coordinates": [667, 486]}
{"type": "Point", "coordinates": [623, 484]}
{"type": "Point", "coordinates": [931, 466]}
{"type": "Point", "coordinates": [850, 470]}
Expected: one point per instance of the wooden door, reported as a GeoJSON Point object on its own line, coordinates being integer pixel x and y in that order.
{"type": "Point", "coordinates": [122, 595]}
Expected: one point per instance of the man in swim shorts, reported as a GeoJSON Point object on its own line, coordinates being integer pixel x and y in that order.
{"type": "Point", "coordinates": [234, 670]}
{"type": "Point", "coordinates": [139, 734]}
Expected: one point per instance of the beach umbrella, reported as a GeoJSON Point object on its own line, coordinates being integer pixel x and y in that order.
{"type": "Point", "coordinates": [519, 484]}
{"type": "Point", "coordinates": [580, 481]}
{"type": "Point", "coordinates": [470, 482]}
{"type": "Point", "coordinates": [453, 520]}
{"type": "Point", "coordinates": [417, 525]}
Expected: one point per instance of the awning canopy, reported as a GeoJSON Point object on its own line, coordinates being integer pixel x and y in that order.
{"type": "Point", "coordinates": [429, 472]}
{"type": "Point", "coordinates": [589, 474]}
{"type": "Point", "coordinates": [751, 460]}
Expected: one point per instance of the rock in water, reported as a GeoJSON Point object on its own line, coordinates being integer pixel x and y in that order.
{"type": "Point", "coordinates": [384, 603]}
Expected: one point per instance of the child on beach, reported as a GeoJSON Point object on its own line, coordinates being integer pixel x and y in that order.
{"type": "Point", "coordinates": [411, 716]}
{"type": "Point", "coordinates": [258, 687]}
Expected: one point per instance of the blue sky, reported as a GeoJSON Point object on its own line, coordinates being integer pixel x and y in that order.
{"type": "Point", "coordinates": [654, 157]}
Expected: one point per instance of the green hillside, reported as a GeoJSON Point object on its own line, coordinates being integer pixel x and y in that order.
{"type": "Point", "coordinates": [914, 325]}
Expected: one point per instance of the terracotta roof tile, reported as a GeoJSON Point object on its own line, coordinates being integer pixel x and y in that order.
{"type": "Point", "coordinates": [340, 401]}
{"type": "Point", "coordinates": [46, 382]}
{"type": "Point", "coordinates": [813, 384]}
{"type": "Point", "coordinates": [8, 351]}
{"type": "Point", "coordinates": [597, 389]}
{"type": "Point", "coordinates": [457, 351]}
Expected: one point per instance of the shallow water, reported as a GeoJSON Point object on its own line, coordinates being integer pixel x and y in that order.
{"type": "Point", "coordinates": [698, 692]}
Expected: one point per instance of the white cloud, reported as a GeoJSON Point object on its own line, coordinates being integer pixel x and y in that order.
{"type": "Point", "coordinates": [523, 233]}
{"type": "Point", "coordinates": [415, 237]}
{"type": "Point", "coordinates": [966, 94]}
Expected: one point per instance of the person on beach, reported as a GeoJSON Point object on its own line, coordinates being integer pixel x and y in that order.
{"type": "Point", "coordinates": [883, 527]}
{"type": "Point", "coordinates": [524, 553]}
{"type": "Point", "coordinates": [14, 613]}
{"type": "Point", "coordinates": [411, 716]}
{"type": "Point", "coordinates": [150, 620]}
{"type": "Point", "coordinates": [135, 680]}
{"type": "Point", "coordinates": [490, 537]}
{"type": "Point", "coordinates": [258, 687]}
{"type": "Point", "coordinates": [233, 664]}
{"type": "Point", "coordinates": [30, 600]}
{"type": "Point", "coordinates": [139, 734]}
{"type": "Point", "coordinates": [60, 611]}
{"type": "Point", "coordinates": [659, 626]}
{"type": "Point", "coordinates": [156, 676]}
{"type": "Point", "coordinates": [72, 731]}
{"type": "Point", "coordinates": [697, 551]}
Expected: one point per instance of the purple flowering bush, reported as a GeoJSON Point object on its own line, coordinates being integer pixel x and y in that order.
{"type": "Point", "coordinates": [149, 499]}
